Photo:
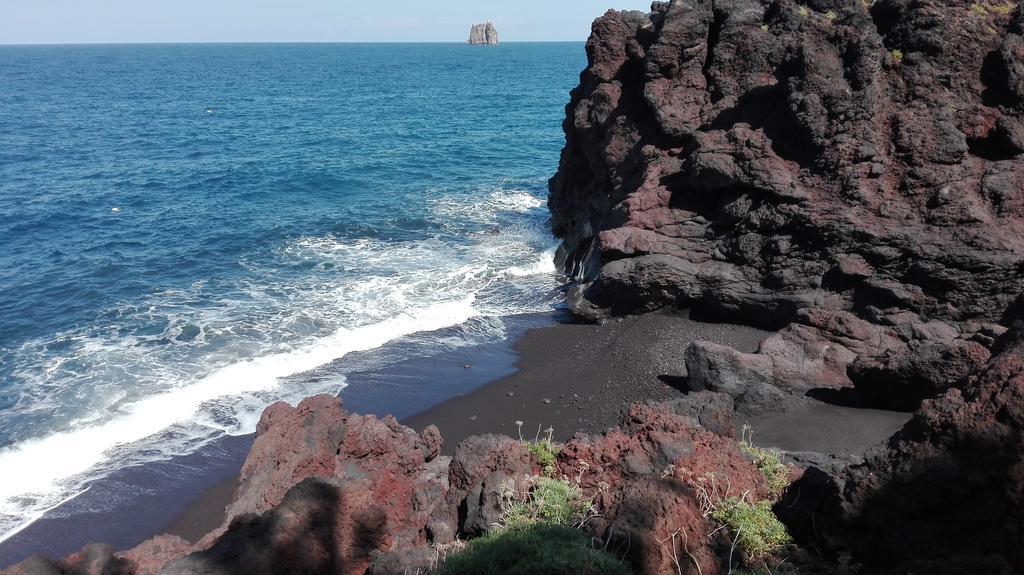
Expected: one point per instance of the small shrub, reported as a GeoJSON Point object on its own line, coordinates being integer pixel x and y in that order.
{"type": "Point", "coordinates": [757, 531]}
{"type": "Point", "coordinates": [545, 453]}
{"type": "Point", "coordinates": [1004, 9]}
{"type": "Point", "coordinates": [1001, 9]}
{"type": "Point", "coordinates": [550, 501]}
{"type": "Point", "coordinates": [771, 467]}
{"type": "Point", "coordinates": [803, 11]}
{"type": "Point", "coordinates": [831, 15]}
{"type": "Point", "coordinates": [533, 550]}
{"type": "Point", "coordinates": [897, 56]}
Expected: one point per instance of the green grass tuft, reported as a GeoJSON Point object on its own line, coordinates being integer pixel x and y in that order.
{"type": "Point", "coordinates": [770, 465]}
{"type": "Point", "coordinates": [757, 531]}
{"type": "Point", "coordinates": [533, 550]}
{"type": "Point", "coordinates": [551, 501]}
{"type": "Point", "coordinates": [545, 454]}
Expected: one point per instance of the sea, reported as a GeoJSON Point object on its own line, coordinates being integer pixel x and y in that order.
{"type": "Point", "coordinates": [189, 233]}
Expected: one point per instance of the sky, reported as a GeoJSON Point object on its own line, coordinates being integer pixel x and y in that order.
{"type": "Point", "coordinates": [115, 21]}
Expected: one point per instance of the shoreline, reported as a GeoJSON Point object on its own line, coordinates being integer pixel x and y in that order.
{"type": "Point", "coordinates": [186, 495]}
{"type": "Point", "coordinates": [559, 360]}
{"type": "Point", "coordinates": [549, 372]}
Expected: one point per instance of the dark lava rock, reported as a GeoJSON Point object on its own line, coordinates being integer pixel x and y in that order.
{"type": "Point", "coordinates": [479, 468]}
{"type": "Point", "coordinates": [837, 357]}
{"type": "Point", "coordinates": [944, 495]}
{"type": "Point", "coordinates": [750, 158]}
{"type": "Point", "coordinates": [714, 412]}
{"type": "Point", "coordinates": [850, 174]}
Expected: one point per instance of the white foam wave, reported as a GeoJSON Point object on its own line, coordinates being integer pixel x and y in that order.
{"type": "Point", "coordinates": [44, 464]}
{"type": "Point", "coordinates": [164, 376]}
{"type": "Point", "coordinates": [545, 264]}
{"type": "Point", "coordinates": [486, 209]}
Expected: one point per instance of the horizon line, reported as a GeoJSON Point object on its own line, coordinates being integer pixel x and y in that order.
{"type": "Point", "coordinates": [240, 42]}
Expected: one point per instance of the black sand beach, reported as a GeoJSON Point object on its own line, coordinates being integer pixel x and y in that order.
{"type": "Point", "coordinates": [577, 377]}
{"type": "Point", "coordinates": [550, 372]}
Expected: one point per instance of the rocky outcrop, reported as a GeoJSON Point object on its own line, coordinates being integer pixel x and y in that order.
{"type": "Point", "coordinates": [944, 495]}
{"type": "Point", "coordinates": [483, 34]}
{"type": "Point", "coordinates": [477, 472]}
{"type": "Point", "coordinates": [835, 356]}
{"type": "Point", "coordinates": [646, 474]}
{"type": "Point", "coordinates": [325, 491]}
{"type": "Point", "coordinates": [96, 559]}
{"type": "Point", "coordinates": [347, 486]}
{"type": "Point", "coordinates": [849, 174]}
{"type": "Point", "coordinates": [753, 158]}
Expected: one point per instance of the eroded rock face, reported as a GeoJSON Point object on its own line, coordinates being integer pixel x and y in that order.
{"type": "Point", "coordinates": [751, 158]}
{"type": "Point", "coordinates": [851, 174]}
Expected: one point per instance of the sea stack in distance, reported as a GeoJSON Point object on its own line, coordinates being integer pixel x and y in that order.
{"type": "Point", "coordinates": [483, 35]}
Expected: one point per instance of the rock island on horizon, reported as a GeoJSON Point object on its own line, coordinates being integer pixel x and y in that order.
{"type": "Point", "coordinates": [483, 35]}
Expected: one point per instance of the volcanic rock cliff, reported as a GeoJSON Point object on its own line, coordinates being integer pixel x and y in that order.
{"type": "Point", "coordinates": [758, 157]}
{"type": "Point", "coordinates": [849, 173]}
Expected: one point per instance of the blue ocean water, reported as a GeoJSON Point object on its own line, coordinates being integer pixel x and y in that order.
{"type": "Point", "coordinates": [192, 232]}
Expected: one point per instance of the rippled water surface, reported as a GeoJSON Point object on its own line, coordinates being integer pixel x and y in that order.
{"type": "Point", "coordinates": [191, 232]}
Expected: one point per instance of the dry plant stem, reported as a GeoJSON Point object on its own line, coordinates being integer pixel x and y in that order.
{"type": "Point", "coordinates": [733, 548]}
{"type": "Point", "coordinates": [675, 554]}
{"type": "Point", "coordinates": [686, 551]}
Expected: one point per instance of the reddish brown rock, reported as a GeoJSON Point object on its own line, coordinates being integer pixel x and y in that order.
{"type": "Point", "coordinates": [646, 474]}
{"type": "Point", "coordinates": [752, 158]}
{"type": "Point", "coordinates": [93, 559]}
{"type": "Point", "coordinates": [375, 482]}
{"type": "Point", "coordinates": [944, 495]}
{"type": "Point", "coordinates": [325, 491]}
{"type": "Point", "coordinates": [147, 558]}
{"type": "Point", "coordinates": [150, 556]}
